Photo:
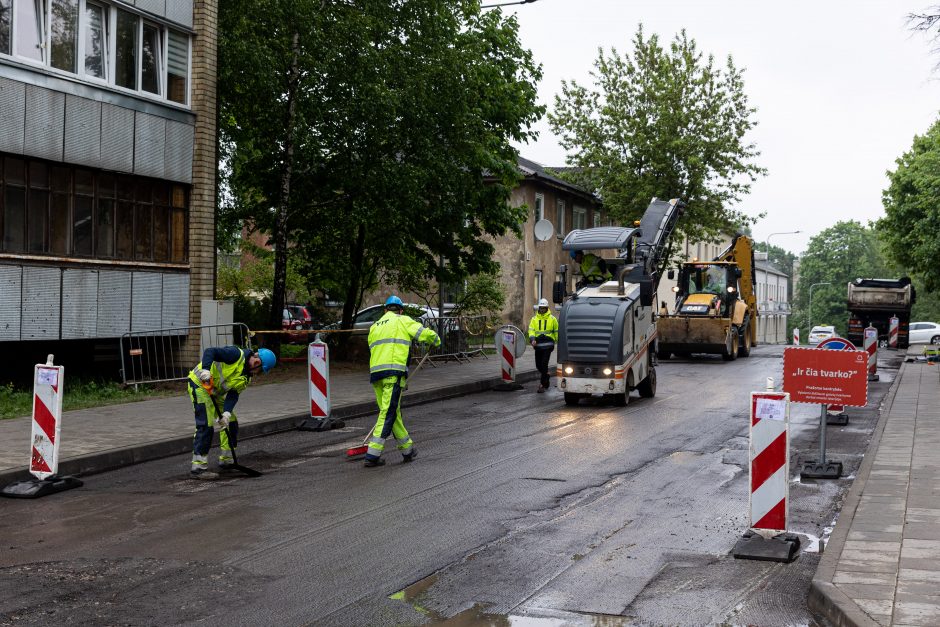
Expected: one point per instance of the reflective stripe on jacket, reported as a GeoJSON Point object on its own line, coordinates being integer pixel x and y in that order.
{"type": "Point", "coordinates": [591, 268]}
{"type": "Point", "coordinates": [225, 376]}
{"type": "Point", "coordinates": [543, 324]}
{"type": "Point", "coordinates": [390, 340]}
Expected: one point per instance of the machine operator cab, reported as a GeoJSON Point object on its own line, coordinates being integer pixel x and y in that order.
{"type": "Point", "coordinates": [707, 289]}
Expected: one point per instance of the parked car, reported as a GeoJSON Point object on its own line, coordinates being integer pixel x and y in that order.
{"type": "Point", "coordinates": [296, 318]}
{"type": "Point", "coordinates": [365, 317]}
{"type": "Point", "coordinates": [299, 312]}
{"type": "Point", "coordinates": [924, 333]}
{"type": "Point", "coordinates": [820, 333]}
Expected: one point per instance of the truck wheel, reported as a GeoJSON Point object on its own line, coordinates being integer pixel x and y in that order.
{"type": "Point", "coordinates": [744, 341]}
{"type": "Point", "coordinates": [571, 399]}
{"type": "Point", "coordinates": [647, 387]}
{"type": "Point", "coordinates": [731, 349]}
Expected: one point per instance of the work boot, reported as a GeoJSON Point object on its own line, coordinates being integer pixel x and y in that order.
{"type": "Point", "coordinates": [541, 389]}
{"type": "Point", "coordinates": [409, 457]}
{"type": "Point", "coordinates": [202, 473]}
{"type": "Point", "coordinates": [372, 463]}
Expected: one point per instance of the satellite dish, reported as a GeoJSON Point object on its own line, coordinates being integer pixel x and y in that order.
{"type": "Point", "coordinates": [544, 230]}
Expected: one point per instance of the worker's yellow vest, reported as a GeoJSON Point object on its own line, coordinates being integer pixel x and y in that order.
{"type": "Point", "coordinates": [225, 377]}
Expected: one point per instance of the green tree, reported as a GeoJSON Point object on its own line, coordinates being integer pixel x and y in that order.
{"type": "Point", "coordinates": [911, 226]}
{"type": "Point", "coordinates": [837, 255]}
{"type": "Point", "coordinates": [664, 123]}
{"type": "Point", "coordinates": [361, 132]}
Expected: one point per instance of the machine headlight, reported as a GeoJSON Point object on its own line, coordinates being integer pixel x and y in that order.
{"type": "Point", "coordinates": [675, 288]}
{"type": "Point", "coordinates": [568, 369]}
{"type": "Point", "coordinates": [731, 289]}
{"type": "Point", "coordinates": [608, 371]}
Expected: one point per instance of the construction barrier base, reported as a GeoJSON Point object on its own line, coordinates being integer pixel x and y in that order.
{"type": "Point", "coordinates": [35, 488]}
{"type": "Point", "coordinates": [815, 470]}
{"type": "Point", "coordinates": [873, 377]}
{"type": "Point", "coordinates": [837, 420]}
{"type": "Point", "coordinates": [323, 424]}
{"type": "Point", "coordinates": [784, 547]}
{"type": "Point", "coordinates": [507, 387]}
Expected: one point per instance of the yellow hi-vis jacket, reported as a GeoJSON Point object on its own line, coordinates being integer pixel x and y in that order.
{"type": "Point", "coordinates": [543, 324]}
{"type": "Point", "coordinates": [390, 340]}
{"type": "Point", "coordinates": [591, 269]}
{"type": "Point", "coordinates": [227, 366]}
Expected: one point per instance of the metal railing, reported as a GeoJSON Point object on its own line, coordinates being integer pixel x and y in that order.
{"type": "Point", "coordinates": [462, 337]}
{"type": "Point", "coordinates": [155, 356]}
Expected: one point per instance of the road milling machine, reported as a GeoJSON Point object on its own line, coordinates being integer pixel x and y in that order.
{"type": "Point", "coordinates": [716, 307]}
{"type": "Point", "coordinates": [607, 331]}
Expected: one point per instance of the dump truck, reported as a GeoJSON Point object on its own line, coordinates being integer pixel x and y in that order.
{"type": "Point", "coordinates": [607, 331]}
{"type": "Point", "coordinates": [874, 302]}
{"type": "Point", "coordinates": [716, 307]}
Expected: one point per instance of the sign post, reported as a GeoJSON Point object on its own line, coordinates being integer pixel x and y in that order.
{"type": "Point", "coordinates": [825, 377]}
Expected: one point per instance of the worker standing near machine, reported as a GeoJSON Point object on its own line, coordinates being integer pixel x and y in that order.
{"type": "Point", "coordinates": [390, 339]}
{"type": "Point", "coordinates": [543, 334]}
{"type": "Point", "coordinates": [221, 376]}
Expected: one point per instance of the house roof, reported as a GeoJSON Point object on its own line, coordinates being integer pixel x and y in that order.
{"type": "Point", "coordinates": [769, 268]}
{"type": "Point", "coordinates": [536, 171]}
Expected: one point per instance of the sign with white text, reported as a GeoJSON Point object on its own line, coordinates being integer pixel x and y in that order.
{"type": "Point", "coordinates": [828, 377]}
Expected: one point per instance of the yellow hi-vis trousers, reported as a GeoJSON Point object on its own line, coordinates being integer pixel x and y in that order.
{"type": "Point", "coordinates": [204, 411]}
{"type": "Point", "coordinates": [388, 397]}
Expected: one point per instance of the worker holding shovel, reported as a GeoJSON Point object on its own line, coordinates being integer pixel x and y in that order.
{"type": "Point", "coordinates": [390, 340]}
{"type": "Point", "coordinates": [222, 375]}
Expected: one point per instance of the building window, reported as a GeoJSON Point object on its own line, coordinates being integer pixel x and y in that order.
{"type": "Point", "coordinates": [597, 218]}
{"type": "Point", "coordinates": [537, 286]}
{"type": "Point", "coordinates": [539, 207]}
{"type": "Point", "coordinates": [560, 217]}
{"type": "Point", "coordinates": [145, 57]}
{"type": "Point", "coordinates": [64, 211]}
{"type": "Point", "coordinates": [578, 218]}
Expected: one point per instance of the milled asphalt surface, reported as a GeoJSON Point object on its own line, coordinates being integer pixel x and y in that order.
{"type": "Point", "coordinates": [104, 438]}
{"type": "Point", "coordinates": [880, 567]}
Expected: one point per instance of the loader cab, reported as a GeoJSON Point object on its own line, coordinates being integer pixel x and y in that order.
{"type": "Point", "coordinates": [707, 289]}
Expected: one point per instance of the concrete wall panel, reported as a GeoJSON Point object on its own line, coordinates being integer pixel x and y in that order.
{"type": "Point", "coordinates": [42, 298]}
{"type": "Point", "coordinates": [114, 302]}
{"type": "Point", "coordinates": [117, 138]}
{"type": "Point", "coordinates": [12, 115]}
{"type": "Point", "coordinates": [180, 12]}
{"type": "Point", "coordinates": [82, 131]}
{"type": "Point", "coordinates": [79, 304]}
{"type": "Point", "coordinates": [45, 123]}
{"type": "Point", "coordinates": [11, 285]}
{"type": "Point", "coordinates": [149, 145]}
{"type": "Point", "coordinates": [179, 152]}
{"type": "Point", "coordinates": [175, 301]}
{"type": "Point", "coordinates": [146, 306]}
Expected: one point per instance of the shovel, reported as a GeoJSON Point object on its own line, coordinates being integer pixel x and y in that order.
{"type": "Point", "coordinates": [248, 472]}
{"type": "Point", "coordinates": [363, 448]}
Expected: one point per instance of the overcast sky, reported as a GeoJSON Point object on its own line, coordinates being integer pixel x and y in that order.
{"type": "Point", "coordinates": [841, 87]}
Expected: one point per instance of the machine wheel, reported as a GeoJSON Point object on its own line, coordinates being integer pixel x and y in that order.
{"type": "Point", "coordinates": [572, 398]}
{"type": "Point", "coordinates": [647, 387]}
{"type": "Point", "coordinates": [731, 352]}
{"type": "Point", "coordinates": [935, 340]}
{"type": "Point", "coordinates": [744, 341]}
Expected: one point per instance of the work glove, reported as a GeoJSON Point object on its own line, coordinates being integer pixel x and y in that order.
{"type": "Point", "coordinates": [204, 375]}
{"type": "Point", "coordinates": [223, 421]}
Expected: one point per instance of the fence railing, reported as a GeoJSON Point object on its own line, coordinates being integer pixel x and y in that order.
{"type": "Point", "coordinates": [155, 355]}
{"type": "Point", "coordinates": [462, 337]}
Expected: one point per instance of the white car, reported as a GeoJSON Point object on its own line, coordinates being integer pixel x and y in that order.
{"type": "Point", "coordinates": [924, 333]}
{"type": "Point", "coordinates": [818, 334]}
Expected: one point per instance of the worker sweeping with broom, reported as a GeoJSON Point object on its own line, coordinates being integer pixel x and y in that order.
{"type": "Point", "coordinates": [390, 340]}
{"type": "Point", "coordinates": [222, 375]}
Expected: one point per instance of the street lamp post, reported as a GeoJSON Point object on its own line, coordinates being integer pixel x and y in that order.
{"type": "Point", "coordinates": [505, 4]}
{"type": "Point", "coordinates": [809, 312]}
{"type": "Point", "coordinates": [767, 241]}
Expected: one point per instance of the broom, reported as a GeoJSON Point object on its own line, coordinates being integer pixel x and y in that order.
{"type": "Point", "coordinates": [363, 448]}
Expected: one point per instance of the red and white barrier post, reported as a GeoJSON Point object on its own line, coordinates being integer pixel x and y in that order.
{"type": "Point", "coordinates": [796, 336]}
{"type": "Point", "coordinates": [893, 332]}
{"type": "Point", "coordinates": [871, 347]}
{"type": "Point", "coordinates": [48, 381]}
{"type": "Point", "coordinates": [508, 356]}
{"type": "Point", "coordinates": [769, 459]}
{"type": "Point", "coordinates": [318, 386]}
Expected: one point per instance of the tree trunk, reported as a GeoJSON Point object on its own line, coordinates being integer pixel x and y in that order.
{"type": "Point", "coordinates": [355, 277]}
{"type": "Point", "coordinates": [278, 294]}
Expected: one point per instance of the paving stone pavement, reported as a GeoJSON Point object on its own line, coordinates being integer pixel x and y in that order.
{"type": "Point", "coordinates": [882, 565]}
{"type": "Point", "coordinates": [102, 438]}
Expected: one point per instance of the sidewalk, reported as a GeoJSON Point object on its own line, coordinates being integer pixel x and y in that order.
{"type": "Point", "coordinates": [882, 564]}
{"type": "Point", "coordinates": [104, 438]}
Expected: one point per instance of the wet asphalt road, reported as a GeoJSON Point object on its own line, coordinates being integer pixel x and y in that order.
{"type": "Point", "coordinates": [519, 511]}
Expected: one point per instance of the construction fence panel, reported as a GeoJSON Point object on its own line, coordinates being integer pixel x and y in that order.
{"type": "Point", "coordinates": [155, 355]}
{"type": "Point", "coordinates": [462, 338]}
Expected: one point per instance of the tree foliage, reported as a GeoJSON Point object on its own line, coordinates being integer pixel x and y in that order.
{"type": "Point", "coordinates": [359, 133]}
{"type": "Point", "coordinates": [911, 226]}
{"type": "Point", "coordinates": [664, 123]}
{"type": "Point", "coordinates": [837, 255]}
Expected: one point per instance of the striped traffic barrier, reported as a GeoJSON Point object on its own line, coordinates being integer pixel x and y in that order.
{"type": "Point", "coordinates": [508, 356]}
{"type": "Point", "coordinates": [48, 381]}
{"type": "Point", "coordinates": [768, 505]}
{"type": "Point", "coordinates": [318, 386]}
{"type": "Point", "coordinates": [871, 347]}
{"type": "Point", "coordinates": [796, 336]}
{"type": "Point", "coordinates": [893, 332]}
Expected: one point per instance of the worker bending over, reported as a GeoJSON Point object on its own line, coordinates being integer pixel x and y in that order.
{"type": "Point", "coordinates": [390, 340]}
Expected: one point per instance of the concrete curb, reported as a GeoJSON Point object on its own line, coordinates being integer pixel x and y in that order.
{"type": "Point", "coordinates": [104, 461]}
{"type": "Point", "coordinates": [825, 598]}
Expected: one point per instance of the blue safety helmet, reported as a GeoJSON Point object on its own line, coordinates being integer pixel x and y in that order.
{"type": "Point", "coordinates": [575, 253]}
{"type": "Point", "coordinates": [394, 301]}
{"type": "Point", "coordinates": [268, 360]}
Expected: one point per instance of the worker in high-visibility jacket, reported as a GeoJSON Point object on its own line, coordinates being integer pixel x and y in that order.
{"type": "Point", "coordinates": [390, 340]}
{"type": "Point", "coordinates": [214, 387]}
{"type": "Point", "coordinates": [593, 268]}
{"type": "Point", "coordinates": [543, 334]}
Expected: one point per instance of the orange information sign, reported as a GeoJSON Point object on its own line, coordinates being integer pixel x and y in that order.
{"type": "Point", "coordinates": [828, 377]}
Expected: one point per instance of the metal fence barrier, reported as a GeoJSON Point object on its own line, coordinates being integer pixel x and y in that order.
{"type": "Point", "coordinates": [462, 337]}
{"type": "Point", "coordinates": [154, 356]}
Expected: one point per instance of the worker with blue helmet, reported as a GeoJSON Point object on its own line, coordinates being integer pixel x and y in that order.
{"type": "Point", "coordinates": [390, 339]}
{"type": "Point", "coordinates": [214, 385]}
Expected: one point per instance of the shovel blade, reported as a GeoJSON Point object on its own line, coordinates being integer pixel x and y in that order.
{"type": "Point", "coordinates": [245, 470]}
